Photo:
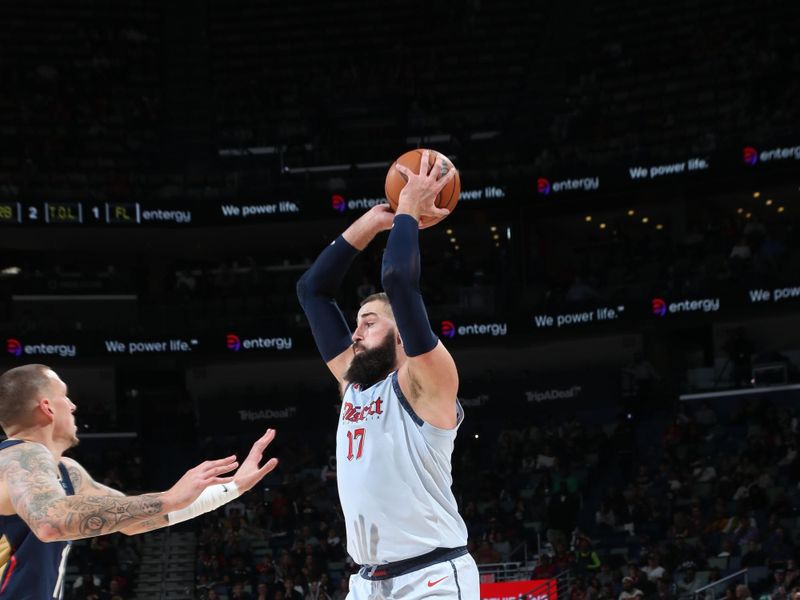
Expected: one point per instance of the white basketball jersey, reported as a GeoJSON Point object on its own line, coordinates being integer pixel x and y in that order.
{"type": "Point", "coordinates": [394, 477]}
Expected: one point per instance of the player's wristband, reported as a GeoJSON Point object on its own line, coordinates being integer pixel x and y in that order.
{"type": "Point", "coordinates": [211, 498]}
{"type": "Point", "coordinates": [400, 277]}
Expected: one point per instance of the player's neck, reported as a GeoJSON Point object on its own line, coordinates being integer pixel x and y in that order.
{"type": "Point", "coordinates": [39, 436]}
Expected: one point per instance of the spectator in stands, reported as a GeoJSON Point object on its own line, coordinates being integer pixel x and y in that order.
{"type": "Point", "coordinates": [86, 584]}
{"type": "Point", "coordinates": [653, 568]}
{"type": "Point", "coordinates": [629, 592]}
{"type": "Point", "coordinates": [343, 589]}
{"type": "Point", "coordinates": [502, 546]}
{"type": "Point", "coordinates": [689, 582]}
{"type": "Point", "coordinates": [563, 559]}
{"type": "Point", "coordinates": [778, 590]}
{"type": "Point", "coordinates": [115, 590]}
{"type": "Point", "coordinates": [777, 547]}
{"type": "Point", "coordinates": [486, 554]}
{"type": "Point", "coordinates": [238, 593]}
{"type": "Point", "coordinates": [582, 590]}
{"type": "Point", "coordinates": [703, 471]}
{"type": "Point", "coordinates": [606, 592]}
{"type": "Point", "coordinates": [316, 591]}
{"type": "Point", "coordinates": [640, 579]}
{"type": "Point", "coordinates": [792, 573]}
{"type": "Point", "coordinates": [545, 569]}
{"type": "Point", "coordinates": [605, 518]}
{"type": "Point", "coordinates": [664, 589]}
{"type": "Point", "coordinates": [291, 591]}
{"type": "Point", "coordinates": [606, 575]}
{"type": "Point", "coordinates": [586, 559]}
{"type": "Point", "coordinates": [754, 556]}
{"type": "Point", "coordinates": [743, 592]}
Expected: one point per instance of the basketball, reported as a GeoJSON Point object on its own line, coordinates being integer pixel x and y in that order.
{"type": "Point", "coordinates": [396, 181]}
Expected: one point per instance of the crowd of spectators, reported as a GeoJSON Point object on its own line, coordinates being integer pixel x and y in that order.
{"type": "Point", "coordinates": [656, 506]}
{"type": "Point", "coordinates": [715, 249]}
{"type": "Point", "coordinates": [700, 251]}
{"type": "Point", "coordinates": [85, 110]}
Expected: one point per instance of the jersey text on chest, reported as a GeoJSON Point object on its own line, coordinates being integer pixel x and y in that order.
{"type": "Point", "coordinates": [355, 414]}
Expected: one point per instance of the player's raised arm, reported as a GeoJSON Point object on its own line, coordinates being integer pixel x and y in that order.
{"type": "Point", "coordinates": [31, 477]}
{"type": "Point", "coordinates": [429, 377]}
{"type": "Point", "coordinates": [247, 476]}
{"type": "Point", "coordinates": [318, 286]}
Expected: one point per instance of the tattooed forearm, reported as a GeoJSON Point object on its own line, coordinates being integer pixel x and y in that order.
{"type": "Point", "coordinates": [31, 477]}
{"type": "Point", "coordinates": [90, 516]}
{"type": "Point", "coordinates": [145, 526]}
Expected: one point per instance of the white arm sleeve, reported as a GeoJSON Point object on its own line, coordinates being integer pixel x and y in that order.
{"type": "Point", "coordinates": [212, 497]}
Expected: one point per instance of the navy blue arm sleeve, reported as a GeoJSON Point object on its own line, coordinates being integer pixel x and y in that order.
{"type": "Point", "coordinates": [316, 290]}
{"type": "Point", "coordinates": [400, 279]}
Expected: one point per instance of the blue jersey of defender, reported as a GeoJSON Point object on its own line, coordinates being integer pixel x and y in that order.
{"type": "Point", "coordinates": [29, 568]}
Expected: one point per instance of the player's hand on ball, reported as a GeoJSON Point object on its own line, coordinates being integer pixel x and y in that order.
{"type": "Point", "coordinates": [418, 197]}
{"type": "Point", "coordinates": [380, 217]}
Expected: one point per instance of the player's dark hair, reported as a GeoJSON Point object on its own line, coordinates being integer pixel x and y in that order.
{"type": "Point", "coordinates": [379, 296]}
{"type": "Point", "coordinates": [19, 388]}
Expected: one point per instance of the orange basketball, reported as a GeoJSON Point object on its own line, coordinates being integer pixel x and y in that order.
{"type": "Point", "coordinates": [396, 181]}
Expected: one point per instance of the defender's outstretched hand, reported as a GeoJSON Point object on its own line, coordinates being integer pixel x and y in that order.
{"type": "Point", "coordinates": [250, 473]}
{"type": "Point", "coordinates": [195, 480]}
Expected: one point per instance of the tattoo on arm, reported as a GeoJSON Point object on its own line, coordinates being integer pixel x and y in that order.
{"type": "Point", "coordinates": [83, 483]}
{"type": "Point", "coordinates": [148, 525]}
{"type": "Point", "coordinates": [31, 477]}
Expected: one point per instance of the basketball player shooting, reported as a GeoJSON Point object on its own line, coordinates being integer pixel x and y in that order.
{"type": "Point", "coordinates": [47, 500]}
{"type": "Point", "coordinates": [399, 413]}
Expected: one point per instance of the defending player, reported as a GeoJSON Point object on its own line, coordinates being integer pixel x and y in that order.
{"type": "Point", "coordinates": [399, 413]}
{"type": "Point", "coordinates": [47, 500]}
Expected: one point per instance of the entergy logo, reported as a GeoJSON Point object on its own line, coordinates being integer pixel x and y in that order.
{"type": "Point", "coordinates": [543, 186]}
{"type": "Point", "coordinates": [448, 329]}
{"type": "Point", "coordinates": [659, 307]}
{"type": "Point", "coordinates": [338, 203]}
{"type": "Point", "coordinates": [233, 342]}
{"type": "Point", "coordinates": [14, 347]}
{"type": "Point", "coordinates": [586, 184]}
{"type": "Point", "coordinates": [752, 156]}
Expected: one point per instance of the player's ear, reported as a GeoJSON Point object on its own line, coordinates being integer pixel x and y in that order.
{"type": "Point", "coordinates": [43, 407]}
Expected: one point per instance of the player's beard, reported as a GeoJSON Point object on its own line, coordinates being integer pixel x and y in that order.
{"type": "Point", "coordinates": [368, 367]}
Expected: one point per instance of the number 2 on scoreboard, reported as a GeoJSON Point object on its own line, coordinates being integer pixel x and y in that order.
{"type": "Point", "coordinates": [358, 436]}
